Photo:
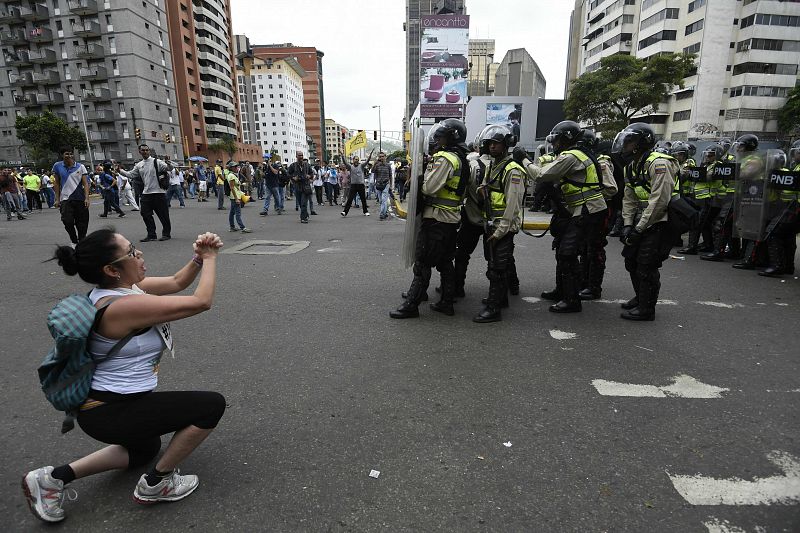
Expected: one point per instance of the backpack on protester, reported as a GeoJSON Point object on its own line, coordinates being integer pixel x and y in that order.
{"type": "Point", "coordinates": [66, 372]}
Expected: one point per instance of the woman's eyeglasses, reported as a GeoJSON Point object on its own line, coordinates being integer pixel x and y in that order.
{"type": "Point", "coordinates": [132, 252]}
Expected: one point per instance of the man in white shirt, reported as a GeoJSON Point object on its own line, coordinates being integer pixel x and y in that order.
{"type": "Point", "coordinates": [175, 188]}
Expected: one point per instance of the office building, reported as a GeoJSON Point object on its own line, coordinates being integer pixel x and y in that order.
{"type": "Point", "coordinates": [519, 75]}
{"type": "Point", "coordinates": [103, 64]}
{"type": "Point", "coordinates": [747, 58]}
{"type": "Point", "coordinates": [336, 135]}
{"type": "Point", "coordinates": [482, 68]}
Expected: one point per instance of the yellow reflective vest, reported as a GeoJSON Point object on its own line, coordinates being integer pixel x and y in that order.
{"type": "Point", "coordinates": [447, 197]}
{"type": "Point", "coordinates": [576, 194]}
{"type": "Point", "coordinates": [640, 184]}
{"type": "Point", "coordinates": [497, 186]}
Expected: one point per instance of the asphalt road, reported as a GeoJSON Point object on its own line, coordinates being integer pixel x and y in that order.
{"type": "Point", "coordinates": [494, 427]}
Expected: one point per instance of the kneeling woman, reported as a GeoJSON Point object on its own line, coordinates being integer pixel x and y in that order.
{"type": "Point", "coordinates": [122, 409]}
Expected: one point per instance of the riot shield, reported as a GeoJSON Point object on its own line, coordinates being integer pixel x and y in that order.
{"type": "Point", "coordinates": [413, 220]}
{"type": "Point", "coordinates": [783, 186]}
{"type": "Point", "coordinates": [751, 196]}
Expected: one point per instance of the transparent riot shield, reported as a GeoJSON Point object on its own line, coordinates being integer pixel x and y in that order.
{"type": "Point", "coordinates": [413, 221]}
{"type": "Point", "coordinates": [783, 186]}
{"type": "Point", "coordinates": [751, 197]}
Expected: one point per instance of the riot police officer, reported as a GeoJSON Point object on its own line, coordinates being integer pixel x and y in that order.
{"type": "Point", "coordinates": [579, 177]}
{"type": "Point", "coordinates": [718, 216]}
{"type": "Point", "coordinates": [784, 214]}
{"type": "Point", "coordinates": [502, 192]}
{"type": "Point", "coordinates": [695, 188]}
{"type": "Point", "coordinates": [650, 184]}
{"type": "Point", "coordinates": [442, 194]}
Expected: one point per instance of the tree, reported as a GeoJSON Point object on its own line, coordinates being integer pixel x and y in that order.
{"type": "Point", "coordinates": [625, 86]}
{"type": "Point", "coordinates": [789, 114]}
{"type": "Point", "coordinates": [227, 144]}
{"type": "Point", "coordinates": [399, 155]}
{"type": "Point", "coordinates": [45, 135]}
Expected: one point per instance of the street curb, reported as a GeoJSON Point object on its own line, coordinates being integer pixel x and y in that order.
{"type": "Point", "coordinates": [401, 213]}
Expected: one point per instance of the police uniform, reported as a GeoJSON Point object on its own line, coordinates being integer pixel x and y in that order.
{"type": "Point", "coordinates": [472, 224]}
{"type": "Point", "coordinates": [442, 195]}
{"type": "Point", "coordinates": [592, 258]}
{"type": "Point", "coordinates": [504, 191]}
{"type": "Point", "coordinates": [650, 184]}
{"type": "Point", "coordinates": [581, 195]}
{"type": "Point", "coordinates": [783, 228]}
{"type": "Point", "coordinates": [698, 191]}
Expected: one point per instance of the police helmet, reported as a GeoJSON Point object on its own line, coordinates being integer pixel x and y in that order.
{"type": "Point", "coordinates": [680, 148]}
{"type": "Point", "coordinates": [430, 141]}
{"type": "Point", "coordinates": [746, 143]}
{"type": "Point", "coordinates": [564, 135]}
{"type": "Point", "coordinates": [588, 140]}
{"type": "Point", "coordinates": [452, 130]}
{"type": "Point", "coordinates": [726, 143]}
{"type": "Point", "coordinates": [498, 133]}
{"type": "Point", "coordinates": [692, 149]}
{"type": "Point", "coordinates": [714, 152]}
{"type": "Point", "coordinates": [778, 159]}
{"type": "Point", "coordinates": [663, 147]}
{"type": "Point", "coordinates": [794, 151]}
{"type": "Point", "coordinates": [634, 139]}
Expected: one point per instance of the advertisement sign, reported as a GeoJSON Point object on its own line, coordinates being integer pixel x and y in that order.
{"type": "Point", "coordinates": [508, 115]}
{"type": "Point", "coordinates": [444, 65]}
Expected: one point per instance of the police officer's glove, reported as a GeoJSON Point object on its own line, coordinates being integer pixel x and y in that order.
{"type": "Point", "coordinates": [623, 237]}
{"type": "Point", "coordinates": [519, 154]}
{"type": "Point", "coordinates": [633, 238]}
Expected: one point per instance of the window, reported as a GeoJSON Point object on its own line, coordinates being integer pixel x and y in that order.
{"type": "Point", "coordinates": [681, 115]}
{"type": "Point", "coordinates": [765, 68]}
{"type": "Point", "coordinates": [766, 19]}
{"type": "Point", "coordinates": [683, 95]}
{"type": "Point", "coordinates": [669, 13]}
{"type": "Point", "coordinates": [664, 35]}
{"type": "Point", "coordinates": [692, 49]}
{"type": "Point", "coordinates": [696, 4]}
{"type": "Point", "coordinates": [694, 26]}
{"type": "Point", "coordinates": [759, 90]}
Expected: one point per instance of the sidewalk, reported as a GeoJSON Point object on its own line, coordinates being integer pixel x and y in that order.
{"type": "Point", "coordinates": [533, 221]}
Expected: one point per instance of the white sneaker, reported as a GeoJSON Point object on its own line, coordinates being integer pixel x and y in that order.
{"type": "Point", "coordinates": [172, 488]}
{"type": "Point", "coordinates": [366, 214]}
{"type": "Point", "coordinates": [45, 494]}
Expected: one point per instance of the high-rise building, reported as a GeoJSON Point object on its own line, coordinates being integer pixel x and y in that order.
{"type": "Point", "coordinates": [482, 68]}
{"type": "Point", "coordinates": [336, 136]}
{"type": "Point", "coordinates": [747, 58]}
{"type": "Point", "coordinates": [202, 52]}
{"type": "Point", "coordinates": [313, 88]}
{"type": "Point", "coordinates": [519, 75]}
{"type": "Point", "coordinates": [415, 10]}
{"type": "Point", "coordinates": [105, 66]}
{"type": "Point", "coordinates": [272, 105]}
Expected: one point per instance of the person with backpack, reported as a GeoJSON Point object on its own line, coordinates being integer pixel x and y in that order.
{"type": "Point", "coordinates": [121, 408]}
{"type": "Point", "coordinates": [153, 173]}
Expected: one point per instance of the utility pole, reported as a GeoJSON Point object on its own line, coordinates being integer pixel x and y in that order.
{"type": "Point", "coordinates": [380, 129]}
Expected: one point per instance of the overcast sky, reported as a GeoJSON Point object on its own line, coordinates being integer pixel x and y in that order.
{"type": "Point", "coordinates": [364, 45]}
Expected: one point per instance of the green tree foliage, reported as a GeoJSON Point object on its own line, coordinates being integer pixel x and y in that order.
{"type": "Point", "coordinates": [789, 114]}
{"type": "Point", "coordinates": [397, 155]}
{"type": "Point", "coordinates": [225, 144]}
{"type": "Point", "coordinates": [624, 86]}
{"type": "Point", "coordinates": [44, 135]}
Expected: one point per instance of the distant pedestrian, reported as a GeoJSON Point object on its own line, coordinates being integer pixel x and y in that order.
{"type": "Point", "coordinates": [302, 175]}
{"type": "Point", "coordinates": [219, 182]}
{"type": "Point", "coordinates": [175, 187]}
{"type": "Point", "coordinates": [47, 189]}
{"type": "Point", "coordinates": [33, 184]}
{"type": "Point", "coordinates": [272, 188]}
{"type": "Point", "coordinates": [383, 178]}
{"type": "Point", "coordinates": [344, 182]}
{"type": "Point", "coordinates": [358, 174]}
{"type": "Point", "coordinates": [107, 185]}
{"type": "Point", "coordinates": [125, 189]}
{"type": "Point", "coordinates": [72, 191]}
{"type": "Point", "coordinates": [235, 195]}
{"type": "Point", "coordinates": [153, 199]}
{"type": "Point", "coordinates": [9, 190]}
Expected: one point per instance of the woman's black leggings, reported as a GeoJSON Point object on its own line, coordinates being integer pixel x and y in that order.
{"type": "Point", "coordinates": [137, 421]}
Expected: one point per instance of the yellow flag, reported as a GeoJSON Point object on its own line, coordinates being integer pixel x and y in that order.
{"type": "Point", "coordinates": [359, 141]}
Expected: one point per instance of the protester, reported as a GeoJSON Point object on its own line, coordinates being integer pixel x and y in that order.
{"type": "Point", "coordinates": [344, 182]}
{"type": "Point", "coordinates": [301, 174]}
{"type": "Point", "coordinates": [175, 187]}
{"type": "Point", "coordinates": [108, 184]}
{"type": "Point", "coordinates": [10, 194]}
{"type": "Point", "coordinates": [236, 195]}
{"type": "Point", "coordinates": [47, 189]}
{"type": "Point", "coordinates": [320, 175]}
{"type": "Point", "coordinates": [33, 185]}
{"type": "Point", "coordinates": [358, 173]}
{"type": "Point", "coordinates": [153, 197]}
{"type": "Point", "coordinates": [125, 189]}
{"type": "Point", "coordinates": [72, 191]}
{"type": "Point", "coordinates": [122, 409]}
{"type": "Point", "coordinates": [331, 185]}
{"type": "Point", "coordinates": [272, 188]}
{"type": "Point", "coordinates": [382, 173]}
{"type": "Point", "coordinates": [219, 176]}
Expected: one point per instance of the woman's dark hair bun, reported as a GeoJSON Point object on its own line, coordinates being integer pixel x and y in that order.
{"type": "Point", "coordinates": [67, 259]}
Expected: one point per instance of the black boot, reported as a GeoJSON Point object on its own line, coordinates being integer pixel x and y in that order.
{"type": "Point", "coordinates": [570, 301]}
{"type": "Point", "coordinates": [555, 294]}
{"type": "Point", "coordinates": [404, 295]}
{"type": "Point", "coordinates": [649, 286]}
{"type": "Point", "coordinates": [690, 250]}
{"type": "Point", "coordinates": [776, 258]}
{"type": "Point", "coordinates": [717, 253]}
{"type": "Point", "coordinates": [633, 303]}
{"type": "Point", "coordinates": [497, 291]}
{"type": "Point", "coordinates": [419, 285]}
{"type": "Point", "coordinates": [589, 294]}
{"type": "Point", "coordinates": [445, 303]}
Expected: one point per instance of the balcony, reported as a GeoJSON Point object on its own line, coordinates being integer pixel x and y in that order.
{"type": "Point", "coordinates": [13, 38]}
{"type": "Point", "coordinates": [34, 12]}
{"type": "Point", "coordinates": [21, 80]}
{"type": "Point", "coordinates": [83, 7]}
{"type": "Point", "coordinates": [40, 35]}
{"type": "Point", "coordinates": [42, 56]}
{"type": "Point", "coordinates": [100, 115]}
{"type": "Point", "coordinates": [50, 99]}
{"type": "Point", "coordinates": [10, 15]}
{"type": "Point", "coordinates": [48, 77]}
{"type": "Point", "coordinates": [25, 100]}
{"type": "Point", "coordinates": [109, 136]}
{"type": "Point", "coordinates": [93, 73]}
{"type": "Point", "coordinates": [87, 28]}
{"type": "Point", "coordinates": [17, 59]}
{"type": "Point", "coordinates": [97, 95]}
{"type": "Point", "coordinates": [90, 51]}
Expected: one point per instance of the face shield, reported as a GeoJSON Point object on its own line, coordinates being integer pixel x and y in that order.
{"type": "Point", "coordinates": [431, 140]}
{"type": "Point", "coordinates": [794, 154]}
{"type": "Point", "coordinates": [735, 147]}
{"type": "Point", "coordinates": [709, 155]}
{"type": "Point", "coordinates": [623, 142]}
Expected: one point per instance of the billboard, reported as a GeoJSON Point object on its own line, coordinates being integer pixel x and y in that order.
{"type": "Point", "coordinates": [509, 115]}
{"type": "Point", "coordinates": [444, 65]}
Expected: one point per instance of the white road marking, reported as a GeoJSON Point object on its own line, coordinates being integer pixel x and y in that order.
{"type": "Point", "coordinates": [562, 335]}
{"type": "Point", "coordinates": [715, 525]}
{"type": "Point", "coordinates": [328, 250]}
{"type": "Point", "coordinates": [782, 304]}
{"type": "Point", "coordinates": [721, 304]}
{"type": "Point", "coordinates": [781, 489]}
{"type": "Point", "coordinates": [667, 302]}
{"type": "Point", "coordinates": [602, 301]}
{"type": "Point", "coordinates": [532, 299]}
{"type": "Point", "coordinates": [682, 386]}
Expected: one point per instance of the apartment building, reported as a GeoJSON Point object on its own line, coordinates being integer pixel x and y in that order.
{"type": "Point", "coordinates": [336, 135]}
{"type": "Point", "coordinates": [519, 75]}
{"type": "Point", "coordinates": [100, 65]}
{"type": "Point", "coordinates": [482, 67]}
{"type": "Point", "coordinates": [748, 53]}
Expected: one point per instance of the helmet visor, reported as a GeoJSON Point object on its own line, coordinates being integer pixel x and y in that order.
{"type": "Point", "coordinates": [431, 140]}
{"type": "Point", "coordinates": [623, 141]}
{"type": "Point", "coordinates": [794, 153]}
{"type": "Point", "coordinates": [709, 154]}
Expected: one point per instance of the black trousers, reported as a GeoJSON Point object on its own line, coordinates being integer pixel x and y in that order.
{"type": "Point", "coordinates": [466, 241]}
{"type": "Point", "coordinates": [644, 260]}
{"type": "Point", "coordinates": [155, 203]}
{"type": "Point", "coordinates": [33, 199]}
{"type": "Point", "coordinates": [110, 202]}
{"type": "Point", "coordinates": [75, 217]}
{"type": "Point", "coordinates": [593, 256]}
{"type": "Point", "coordinates": [356, 188]}
{"type": "Point", "coordinates": [436, 248]}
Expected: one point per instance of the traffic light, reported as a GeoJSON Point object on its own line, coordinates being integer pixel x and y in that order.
{"type": "Point", "coordinates": [166, 137]}
{"type": "Point", "coordinates": [138, 133]}
{"type": "Point", "coordinates": [375, 135]}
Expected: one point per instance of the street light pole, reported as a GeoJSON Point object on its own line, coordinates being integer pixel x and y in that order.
{"type": "Point", "coordinates": [380, 129]}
